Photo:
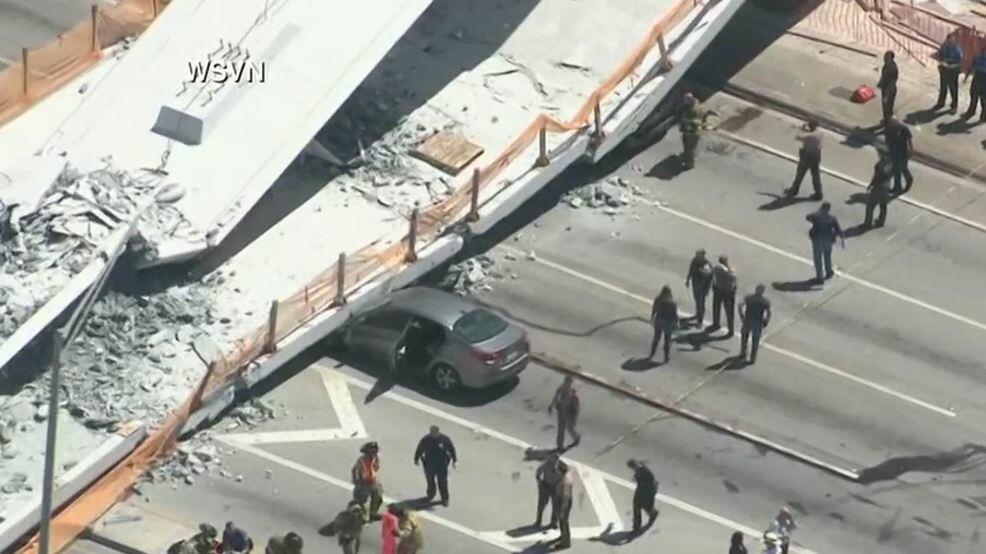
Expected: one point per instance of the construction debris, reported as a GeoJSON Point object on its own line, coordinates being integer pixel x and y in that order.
{"type": "Point", "coordinates": [63, 233]}
{"type": "Point", "coordinates": [611, 196]}
{"type": "Point", "coordinates": [448, 151]}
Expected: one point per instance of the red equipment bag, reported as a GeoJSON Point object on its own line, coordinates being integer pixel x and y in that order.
{"type": "Point", "coordinates": [863, 94]}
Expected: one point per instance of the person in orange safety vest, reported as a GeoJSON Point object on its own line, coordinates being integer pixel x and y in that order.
{"type": "Point", "coordinates": [366, 481]}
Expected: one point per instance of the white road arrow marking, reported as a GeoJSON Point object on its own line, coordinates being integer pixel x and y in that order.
{"type": "Point", "coordinates": [594, 483]}
{"type": "Point", "coordinates": [351, 425]}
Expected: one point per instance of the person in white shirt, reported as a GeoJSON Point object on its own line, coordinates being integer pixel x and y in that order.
{"type": "Point", "coordinates": [723, 294]}
{"type": "Point", "coordinates": [809, 159]}
{"type": "Point", "coordinates": [783, 527]}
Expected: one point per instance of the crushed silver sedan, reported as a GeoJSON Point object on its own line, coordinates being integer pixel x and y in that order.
{"type": "Point", "coordinates": [450, 340]}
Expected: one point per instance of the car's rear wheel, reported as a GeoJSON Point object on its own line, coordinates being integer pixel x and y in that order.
{"type": "Point", "coordinates": [445, 378]}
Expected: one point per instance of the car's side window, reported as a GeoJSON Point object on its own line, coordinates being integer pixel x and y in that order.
{"type": "Point", "coordinates": [390, 320]}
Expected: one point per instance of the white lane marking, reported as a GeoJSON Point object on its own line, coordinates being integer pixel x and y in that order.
{"type": "Point", "coordinates": [860, 381]}
{"type": "Point", "coordinates": [305, 470]}
{"type": "Point", "coordinates": [594, 484]}
{"type": "Point", "coordinates": [853, 181]}
{"type": "Point", "coordinates": [804, 359]}
{"type": "Point", "coordinates": [351, 425]}
{"type": "Point", "coordinates": [582, 276]}
{"type": "Point", "coordinates": [602, 502]}
{"type": "Point", "coordinates": [345, 408]}
{"type": "Point", "coordinates": [806, 261]}
{"type": "Point", "coordinates": [281, 437]}
{"type": "Point", "coordinates": [578, 533]}
{"type": "Point", "coordinates": [502, 437]}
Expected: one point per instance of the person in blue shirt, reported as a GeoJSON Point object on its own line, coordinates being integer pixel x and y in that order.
{"type": "Point", "coordinates": [977, 90]}
{"type": "Point", "coordinates": [949, 66]}
{"type": "Point", "coordinates": [824, 230]}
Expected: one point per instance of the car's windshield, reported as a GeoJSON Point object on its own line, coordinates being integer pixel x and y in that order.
{"type": "Point", "coordinates": [478, 326]}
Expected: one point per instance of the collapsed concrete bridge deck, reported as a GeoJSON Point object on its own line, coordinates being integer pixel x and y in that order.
{"type": "Point", "coordinates": [483, 69]}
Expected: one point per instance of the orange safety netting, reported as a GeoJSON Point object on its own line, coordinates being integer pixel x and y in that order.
{"type": "Point", "coordinates": [320, 294]}
{"type": "Point", "coordinates": [51, 66]}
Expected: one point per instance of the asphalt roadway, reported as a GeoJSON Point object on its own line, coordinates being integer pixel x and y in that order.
{"type": "Point", "coordinates": [877, 373]}
{"type": "Point", "coordinates": [32, 23]}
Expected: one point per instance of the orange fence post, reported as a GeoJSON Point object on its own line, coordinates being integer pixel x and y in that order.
{"type": "Point", "coordinates": [95, 35]}
{"type": "Point", "coordinates": [665, 63]}
{"type": "Point", "coordinates": [543, 160]}
{"type": "Point", "coordinates": [474, 197]}
{"type": "Point", "coordinates": [598, 134]}
{"type": "Point", "coordinates": [341, 280]}
{"type": "Point", "coordinates": [24, 70]}
{"type": "Point", "coordinates": [412, 237]}
{"type": "Point", "coordinates": [271, 344]}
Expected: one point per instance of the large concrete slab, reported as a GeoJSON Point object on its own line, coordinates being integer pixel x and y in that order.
{"type": "Point", "coordinates": [312, 57]}
{"type": "Point", "coordinates": [302, 225]}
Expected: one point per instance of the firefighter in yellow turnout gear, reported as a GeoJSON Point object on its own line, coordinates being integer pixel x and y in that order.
{"type": "Point", "coordinates": [693, 120]}
{"type": "Point", "coordinates": [366, 482]}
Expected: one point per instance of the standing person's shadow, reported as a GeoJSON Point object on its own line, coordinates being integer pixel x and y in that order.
{"type": "Point", "coordinates": [955, 127]}
{"type": "Point", "coordinates": [857, 230]}
{"type": "Point", "coordinates": [780, 201]}
{"type": "Point", "coordinates": [640, 364]}
{"type": "Point", "coordinates": [668, 168]}
{"type": "Point", "coordinates": [920, 117]}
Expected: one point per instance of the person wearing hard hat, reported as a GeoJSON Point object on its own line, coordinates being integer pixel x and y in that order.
{"type": "Point", "coordinates": [692, 121]}
{"type": "Point", "coordinates": [366, 481]}
{"type": "Point", "coordinates": [772, 543]}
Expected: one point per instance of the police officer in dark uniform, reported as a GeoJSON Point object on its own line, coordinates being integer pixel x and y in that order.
{"type": "Point", "coordinates": [755, 315]}
{"type": "Point", "coordinates": [900, 144]}
{"type": "Point", "coordinates": [699, 278]}
{"type": "Point", "coordinates": [435, 450]}
{"type": "Point", "coordinates": [888, 84]}
{"type": "Point", "coordinates": [644, 494]}
{"type": "Point", "coordinates": [824, 230]}
{"type": "Point", "coordinates": [977, 90]}
{"type": "Point", "coordinates": [949, 66]}
{"type": "Point", "coordinates": [879, 194]}
{"type": "Point", "coordinates": [664, 318]}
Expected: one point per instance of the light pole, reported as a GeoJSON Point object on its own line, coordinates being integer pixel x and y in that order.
{"type": "Point", "coordinates": [167, 194]}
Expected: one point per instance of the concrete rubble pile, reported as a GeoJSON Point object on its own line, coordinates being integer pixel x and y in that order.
{"type": "Point", "coordinates": [387, 174]}
{"type": "Point", "coordinates": [200, 454]}
{"type": "Point", "coordinates": [52, 243]}
{"type": "Point", "coordinates": [612, 196]}
{"type": "Point", "coordinates": [478, 274]}
{"type": "Point", "coordinates": [136, 358]}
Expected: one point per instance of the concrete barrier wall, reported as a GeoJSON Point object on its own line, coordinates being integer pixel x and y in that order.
{"type": "Point", "coordinates": [71, 483]}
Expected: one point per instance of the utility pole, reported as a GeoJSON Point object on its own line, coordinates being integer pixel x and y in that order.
{"type": "Point", "coordinates": [64, 336]}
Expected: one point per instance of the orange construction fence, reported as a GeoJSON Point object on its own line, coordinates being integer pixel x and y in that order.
{"type": "Point", "coordinates": [330, 287]}
{"type": "Point", "coordinates": [43, 70]}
